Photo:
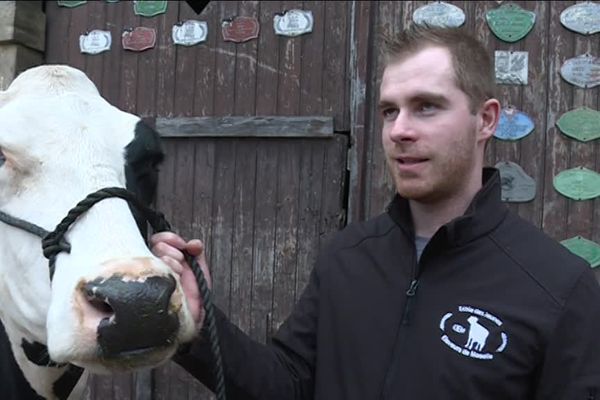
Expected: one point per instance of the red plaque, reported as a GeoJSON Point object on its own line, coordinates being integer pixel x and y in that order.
{"type": "Point", "coordinates": [139, 39]}
{"type": "Point", "coordinates": [240, 29]}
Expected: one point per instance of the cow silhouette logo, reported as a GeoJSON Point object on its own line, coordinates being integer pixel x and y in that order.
{"type": "Point", "coordinates": [473, 333]}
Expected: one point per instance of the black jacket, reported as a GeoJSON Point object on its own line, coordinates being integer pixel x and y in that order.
{"type": "Point", "coordinates": [494, 310]}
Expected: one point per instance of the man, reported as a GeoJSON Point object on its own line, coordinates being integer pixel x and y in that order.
{"type": "Point", "coordinates": [447, 295]}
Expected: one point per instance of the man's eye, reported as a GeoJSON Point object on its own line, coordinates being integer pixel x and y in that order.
{"type": "Point", "coordinates": [389, 114]}
{"type": "Point", "coordinates": [2, 158]}
{"type": "Point", "coordinates": [427, 108]}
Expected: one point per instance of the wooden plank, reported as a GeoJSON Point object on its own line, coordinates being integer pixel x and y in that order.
{"type": "Point", "coordinates": [534, 104]}
{"type": "Point", "coordinates": [222, 223]}
{"type": "Point", "coordinates": [360, 74]}
{"type": "Point", "coordinates": [335, 61]}
{"type": "Point", "coordinates": [263, 126]}
{"type": "Point", "coordinates": [225, 57]}
{"type": "Point", "coordinates": [267, 63]}
{"type": "Point", "coordinates": [111, 81]}
{"type": "Point", "coordinates": [309, 194]}
{"type": "Point", "coordinates": [204, 84]}
{"type": "Point", "coordinates": [263, 253]}
{"type": "Point", "coordinates": [243, 221]}
{"type": "Point", "coordinates": [145, 93]}
{"type": "Point", "coordinates": [333, 213]}
{"type": "Point", "coordinates": [94, 65]}
{"type": "Point", "coordinates": [77, 26]}
{"type": "Point", "coordinates": [245, 67]}
{"type": "Point", "coordinates": [185, 68]}
{"type": "Point", "coordinates": [129, 65]}
{"type": "Point", "coordinates": [286, 232]}
{"type": "Point", "coordinates": [581, 213]}
{"type": "Point", "coordinates": [557, 146]}
{"type": "Point", "coordinates": [57, 36]}
{"type": "Point", "coordinates": [165, 54]}
{"type": "Point", "coordinates": [290, 53]}
{"type": "Point", "coordinates": [311, 79]}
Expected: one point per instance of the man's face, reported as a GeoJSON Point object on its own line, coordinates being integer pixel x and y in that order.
{"type": "Point", "coordinates": [429, 134]}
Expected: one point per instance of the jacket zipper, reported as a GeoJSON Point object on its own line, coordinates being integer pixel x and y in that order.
{"type": "Point", "coordinates": [410, 295]}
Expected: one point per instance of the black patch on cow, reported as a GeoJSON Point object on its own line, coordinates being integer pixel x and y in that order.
{"type": "Point", "coordinates": [63, 387]}
{"type": "Point", "coordinates": [141, 320]}
{"type": "Point", "coordinates": [13, 385]}
{"type": "Point", "coordinates": [142, 158]}
{"type": "Point", "coordinates": [37, 353]}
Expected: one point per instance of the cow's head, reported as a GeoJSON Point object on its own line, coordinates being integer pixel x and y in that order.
{"type": "Point", "coordinates": [111, 304]}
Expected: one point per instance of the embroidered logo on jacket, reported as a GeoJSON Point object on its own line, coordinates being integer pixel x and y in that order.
{"type": "Point", "coordinates": [473, 333]}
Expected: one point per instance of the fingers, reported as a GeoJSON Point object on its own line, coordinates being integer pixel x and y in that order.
{"type": "Point", "coordinates": [175, 265]}
{"type": "Point", "coordinates": [169, 238]}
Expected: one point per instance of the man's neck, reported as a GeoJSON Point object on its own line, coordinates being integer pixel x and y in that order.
{"type": "Point", "coordinates": [429, 217]}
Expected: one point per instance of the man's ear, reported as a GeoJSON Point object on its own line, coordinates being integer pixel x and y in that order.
{"type": "Point", "coordinates": [488, 117]}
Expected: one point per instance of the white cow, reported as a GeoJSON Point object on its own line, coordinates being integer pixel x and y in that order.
{"type": "Point", "coordinates": [111, 304]}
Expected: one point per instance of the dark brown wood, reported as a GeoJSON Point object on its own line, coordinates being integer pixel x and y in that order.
{"type": "Point", "coordinates": [267, 72]}
{"type": "Point", "coordinates": [311, 76]}
{"type": "Point", "coordinates": [224, 74]}
{"type": "Point", "coordinates": [245, 126]}
{"type": "Point", "coordinates": [165, 68]}
{"type": "Point", "coordinates": [336, 93]}
{"type": "Point", "coordinates": [185, 68]}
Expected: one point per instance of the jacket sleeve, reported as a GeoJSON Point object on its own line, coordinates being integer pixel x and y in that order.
{"type": "Point", "coordinates": [283, 369]}
{"type": "Point", "coordinates": [571, 366]}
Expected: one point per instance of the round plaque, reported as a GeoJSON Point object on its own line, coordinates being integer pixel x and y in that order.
{"type": "Point", "coordinates": [582, 18]}
{"type": "Point", "coordinates": [439, 14]}
{"type": "Point", "coordinates": [95, 42]}
{"type": "Point", "coordinates": [578, 183]}
{"type": "Point", "coordinates": [582, 71]}
{"type": "Point", "coordinates": [517, 186]}
{"type": "Point", "coordinates": [149, 8]}
{"type": "Point", "coordinates": [513, 124]}
{"type": "Point", "coordinates": [510, 22]}
{"type": "Point", "coordinates": [584, 248]}
{"type": "Point", "coordinates": [582, 124]}
{"type": "Point", "coordinates": [190, 32]}
{"type": "Point", "coordinates": [293, 23]}
{"type": "Point", "coordinates": [240, 29]}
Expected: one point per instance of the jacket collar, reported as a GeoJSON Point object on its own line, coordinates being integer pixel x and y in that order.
{"type": "Point", "coordinates": [484, 213]}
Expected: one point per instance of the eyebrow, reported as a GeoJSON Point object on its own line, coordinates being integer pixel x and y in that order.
{"type": "Point", "coordinates": [417, 98]}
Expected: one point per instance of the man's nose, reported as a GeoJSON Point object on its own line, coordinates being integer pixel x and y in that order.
{"type": "Point", "coordinates": [402, 128]}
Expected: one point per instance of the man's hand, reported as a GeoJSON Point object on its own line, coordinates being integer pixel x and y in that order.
{"type": "Point", "coordinates": [169, 247]}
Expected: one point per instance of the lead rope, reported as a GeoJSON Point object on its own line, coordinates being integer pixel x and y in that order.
{"type": "Point", "coordinates": [54, 243]}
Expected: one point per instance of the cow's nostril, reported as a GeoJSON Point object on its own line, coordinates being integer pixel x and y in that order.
{"type": "Point", "coordinates": [100, 305]}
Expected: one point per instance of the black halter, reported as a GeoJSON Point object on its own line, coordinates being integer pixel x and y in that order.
{"type": "Point", "coordinates": [54, 243]}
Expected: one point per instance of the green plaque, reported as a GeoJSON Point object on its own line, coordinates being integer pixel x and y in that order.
{"type": "Point", "coordinates": [578, 183]}
{"type": "Point", "coordinates": [71, 4]}
{"type": "Point", "coordinates": [582, 124]}
{"type": "Point", "coordinates": [510, 22]}
{"type": "Point", "coordinates": [584, 248]}
{"type": "Point", "coordinates": [147, 8]}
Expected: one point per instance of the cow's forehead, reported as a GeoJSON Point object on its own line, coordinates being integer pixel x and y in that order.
{"type": "Point", "coordinates": [54, 105]}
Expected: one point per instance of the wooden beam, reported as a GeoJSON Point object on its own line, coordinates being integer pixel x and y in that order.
{"type": "Point", "coordinates": [270, 126]}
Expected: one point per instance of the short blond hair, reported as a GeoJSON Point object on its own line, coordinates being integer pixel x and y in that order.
{"type": "Point", "coordinates": [473, 69]}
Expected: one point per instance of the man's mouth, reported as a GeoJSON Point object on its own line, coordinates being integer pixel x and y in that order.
{"type": "Point", "coordinates": [410, 160]}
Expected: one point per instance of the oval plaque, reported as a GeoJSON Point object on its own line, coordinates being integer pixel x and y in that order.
{"type": "Point", "coordinates": [71, 4]}
{"type": "Point", "coordinates": [190, 32]}
{"type": "Point", "coordinates": [513, 124]}
{"type": "Point", "coordinates": [582, 71]}
{"type": "Point", "coordinates": [149, 8]}
{"type": "Point", "coordinates": [95, 42]}
{"type": "Point", "coordinates": [584, 248]}
{"type": "Point", "coordinates": [293, 23]}
{"type": "Point", "coordinates": [439, 14]}
{"type": "Point", "coordinates": [511, 67]}
{"type": "Point", "coordinates": [582, 124]}
{"type": "Point", "coordinates": [582, 18]}
{"type": "Point", "coordinates": [510, 22]}
{"type": "Point", "coordinates": [517, 186]}
{"type": "Point", "coordinates": [578, 183]}
{"type": "Point", "coordinates": [240, 29]}
{"type": "Point", "coordinates": [138, 39]}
